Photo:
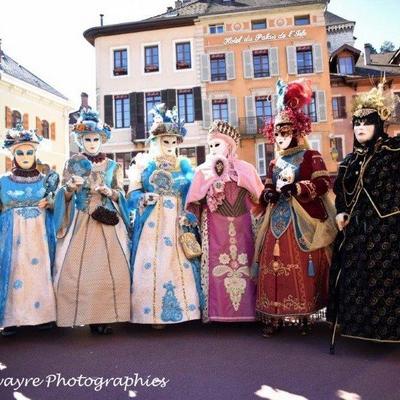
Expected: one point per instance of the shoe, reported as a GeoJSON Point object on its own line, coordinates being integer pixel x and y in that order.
{"type": "Point", "coordinates": [101, 329]}
{"type": "Point", "coordinates": [9, 331]}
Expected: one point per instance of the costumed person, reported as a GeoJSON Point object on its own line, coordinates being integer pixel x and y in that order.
{"type": "Point", "coordinates": [294, 241]}
{"type": "Point", "coordinates": [27, 237]}
{"type": "Point", "coordinates": [223, 193]}
{"type": "Point", "coordinates": [364, 296]}
{"type": "Point", "coordinates": [92, 277]}
{"type": "Point", "coordinates": [165, 250]}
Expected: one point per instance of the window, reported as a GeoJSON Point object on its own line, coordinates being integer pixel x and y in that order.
{"type": "Point", "coordinates": [16, 118]}
{"type": "Point", "coordinates": [213, 29]}
{"type": "Point", "coordinates": [190, 153]}
{"type": "Point", "coordinates": [152, 99]}
{"type": "Point", "coordinates": [151, 59]}
{"type": "Point", "coordinates": [122, 113]}
{"type": "Point", "coordinates": [265, 154]}
{"type": "Point", "coordinates": [339, 107]}
{"type": "Point", "coordinates": [311, 109]}
{"type": "Point", "coordinates": [124, 159]}
{"type": "Point", "coordinates": [45, 129]}
{"type": "Point", "coordinates": [218, 67]}
{"type": "Point", "coordinates": [315, 144]}
{"type": "Point", "coordinates": [302, 20]}
{"type": "Point", "coordinates": [120, 62]}
{"type": "Point", "coordinates": [304, 60]}
{"type": "Point", "coordinates": [346, 65]}
{"type": "Point", "coordinates": [259, 24]}
{"type": "Point", "coordinates": [186, 105]}
{"type": "Point", "coordinates": [260, 63]}
{"type": "Point", "coordinates": [220, 109]}
{"type": "Point", "coordinates": [263, 111]}
{"type": "Point", "coordinates": [183, 56]}
{"type": "Point", "coordinates": [337, 143]}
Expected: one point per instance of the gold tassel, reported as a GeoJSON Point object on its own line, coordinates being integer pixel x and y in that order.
{"type": "Point", "coordinates": [277, 250]}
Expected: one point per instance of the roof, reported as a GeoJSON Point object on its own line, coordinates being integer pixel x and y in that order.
{"type": "Point", "coordinates": [379, 64]}
{"type": "Point", "coordinates": [345, 47]}
{"type": "Point", "coordinates": [188, 11]}
{"type": "Point", "coordinates": [16, 70]}
{"type": "Point", "coordinates": [333, 19]}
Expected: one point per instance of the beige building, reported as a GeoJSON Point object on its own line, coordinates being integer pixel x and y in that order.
{"type": "Point", "coordinates": [26, 99]}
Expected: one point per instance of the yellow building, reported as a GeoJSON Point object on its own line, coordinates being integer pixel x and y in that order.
{"type": "Point", "coordinates": [26, 99]}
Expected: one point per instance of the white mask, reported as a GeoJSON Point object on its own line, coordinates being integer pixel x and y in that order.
{"type": "Point", "coordinates": [218, 147]}
{"type": "Point", "coordinates": [91, 142]}
{"type": "Point", "coordinates": [283, 136]}
{"type": "Point", "coordinates": [364, 133]}
{"type": "Point", "coordinates": [286, 177]}
{"type": "Point", "coordinates": [168, 145]}
{"type": "Point", "coordinates": [25, 156]}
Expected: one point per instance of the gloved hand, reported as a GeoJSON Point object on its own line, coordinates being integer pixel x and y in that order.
{"type": "Point", "coordinates": [289, 190]}
{"type": "Point", "coordinates": [269, 196]}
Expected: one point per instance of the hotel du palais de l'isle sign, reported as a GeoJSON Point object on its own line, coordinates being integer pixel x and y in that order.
{"type": "Point", "coordinates": [260, 37]}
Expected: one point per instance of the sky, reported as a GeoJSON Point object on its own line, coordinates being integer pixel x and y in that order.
{"type": "Point", "coordinates": [45, 36]}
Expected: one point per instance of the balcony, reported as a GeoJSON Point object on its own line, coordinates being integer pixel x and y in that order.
{"type": "Point", "coordinates": [251, 126]}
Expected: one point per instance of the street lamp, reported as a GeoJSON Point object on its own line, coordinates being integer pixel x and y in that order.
{"type": "Point", "coordinates": [333, 150]}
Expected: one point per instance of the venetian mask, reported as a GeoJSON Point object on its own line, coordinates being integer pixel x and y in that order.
{"type": "Point", "coordinates": [91, 143]}
{"type": "Point", "coordinates": [218, 147]}
{"type": "Point", "coordinates": [168, 145]}
{"type": "Point", "coordinates": [283, 136]}
{"type": "Point", "coordinates": [363, 131]}
{"type": "Point", "coordinates": [25, 156]}
{"type": "Point", "coordinates": [286, 177]}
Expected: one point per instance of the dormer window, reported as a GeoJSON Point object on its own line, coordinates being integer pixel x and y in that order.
{"type": "Point", "coordinates": [346, 65]}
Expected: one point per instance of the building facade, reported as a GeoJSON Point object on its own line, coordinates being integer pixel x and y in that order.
{"type": "Point", "coordinates": [26, 99]}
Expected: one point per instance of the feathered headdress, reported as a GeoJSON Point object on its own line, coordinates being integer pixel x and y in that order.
{"type": "Point", "coordinates": [376, 100]}
{"type": "Point", "coordinates": [18, 135]}
{"type": "Point", "coordinates": [89, 122]}
{"type": "Point", "coordinates": [291, 98]}
{"type": "Point", "coordinates": [166, 122]}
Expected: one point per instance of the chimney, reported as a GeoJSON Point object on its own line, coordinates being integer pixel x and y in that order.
{"type": "Point", "coordinates": [85, 101]}
{"type": "Point", "coordinates": [178, 4]}
{"type": "Point", "coordinates": [367, 53]}
{"type": "Point", "coordinates": [101, 19]}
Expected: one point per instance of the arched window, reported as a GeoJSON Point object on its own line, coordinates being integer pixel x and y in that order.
{"type": "Point", "coordinates": [45, 129]}
{"type": "Point", "coordinates": [16, 118]}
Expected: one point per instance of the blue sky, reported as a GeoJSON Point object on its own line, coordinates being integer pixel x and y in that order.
{"type": "Point", "coordinates": [45, 36]}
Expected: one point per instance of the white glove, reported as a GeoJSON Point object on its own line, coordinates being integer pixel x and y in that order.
{"type": "Point", "coordinates": [104, 190]}
{"type": "Point", "coordinates": [342, 220]}
{"type": "Point", "coordinates": [75, 183]}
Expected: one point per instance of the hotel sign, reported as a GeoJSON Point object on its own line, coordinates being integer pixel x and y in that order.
{"type": "Point", "coordinates": [261, 37]}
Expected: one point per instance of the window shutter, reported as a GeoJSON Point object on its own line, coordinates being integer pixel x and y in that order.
{"type": "Point", "coordinates": [39, 126]}
{"type": "Point", "coordinates": [25, 121]}
{"type": "Point", "coordinates": [230, 65]}
{"type": "Point", "coordinates": [248, 67]}
{"type": "Point", "coordinates": [9, 164]}
{"type": "Point", "coordinates": [164, 97]}
{"type": "Point", "coordinates": [320, 99]}
{"type": "Point", "coordinates": [200, 154]}
{"type": "Point", "coordinates": [317, 58]}
{"type": "Point", "coordinates": [108, 110]}
{"type": "Point", "coordinates": [198, 112]}
{"type": "Point", "coordinates": [136, 104]}
{"type": "Point", "coordinates": [8, 118]}
{"type": "Point", "coordinates": [291, 60]}
{"type": "Point", "coordinates": [206, 113]}
{"type": "Point", "coordinates": [171, 99]}
{"type": "Point", "coordinates": [205, 68]}
{"type": "Point", "coordinates": [274, 100]}
{"type": "Point", "coordinates": [273, 55]}
{"type": "Point", "coordinates": [251, 120]}
{"type": "Point", "coordinates": [232, 104]}
{"type": "Point", "coordinates": [53, 131]}
{"type": "Point", "coordinates": [261, 163]}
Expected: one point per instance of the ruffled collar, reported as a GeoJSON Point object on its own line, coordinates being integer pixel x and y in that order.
{"type": "Point", "coordinates": [293, 150]}
{"type": "Point", "coordinates": [25, 173]}
{"type": "Point", "coordinates": [98, 158]}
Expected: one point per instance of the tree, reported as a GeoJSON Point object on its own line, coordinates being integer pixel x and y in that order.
{"type": "Point", "coordinates": [387, 46]}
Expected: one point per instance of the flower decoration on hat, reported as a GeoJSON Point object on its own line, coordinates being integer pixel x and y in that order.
{"type": "Point", "coordinates": [18, 136]}
{"type": "Point", "coordinates": [377, 100]}
{"type": "Point", "coordinates": [89, 122]}
{"type": "Point", "coordinates": [291, 98]}
{"type": "Point", "coordinates": [166, 123]}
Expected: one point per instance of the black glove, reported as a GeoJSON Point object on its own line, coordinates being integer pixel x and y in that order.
{"type": "Point", "coordinates": [289, 190]}
{"type": "Point", "coordinates": [269, 196]}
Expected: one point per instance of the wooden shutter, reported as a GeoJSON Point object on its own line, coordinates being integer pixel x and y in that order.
{"type": "Point", "coordinates": [8, 118]}
{"type": "Point", "coordinates": [317, 58]}
{"type": "Point", "coordinates": [39, 127]}
{"type": "Point", "coordinates": [291, 60]}
{"type": "Point", "coordinates": [25, 121]}
{"type": "Point", "coordinates": [136, 103]}
{"type": "Point", "coordinates": [171, 99]}
{"type": "Point", "coordinates": [198, 111]}
{"type": "Point", "coordinates": [108, 110]}
{"type": "Point", "coordinates": [248, 67]}
{"type": "Point", "coordinates": [274, 100]}
{"type": "Point", "coordinates": [230, 65]}
{"type": "Point", "coordinates": [251, 120]}
{"type": "Point", "coordinates": [200, 154]}
{"type": "Point", "coordinates": [273, 56]}
{"type": "Point", "coordinates": [9, 164]}
{"type": "Point", "coordinates": [53, 131]}
{"type": "Point", "coordinates": [206, 113]}
{"type": "Point", "coordinates": [205, 68]}
{"type": "Point", "coordinates": [320, 99]}
{"type": "Point", "coordinates": [232, 107]}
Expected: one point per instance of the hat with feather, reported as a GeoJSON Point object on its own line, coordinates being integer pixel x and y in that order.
{"type": "Point", "coordinates": [18, 136]}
